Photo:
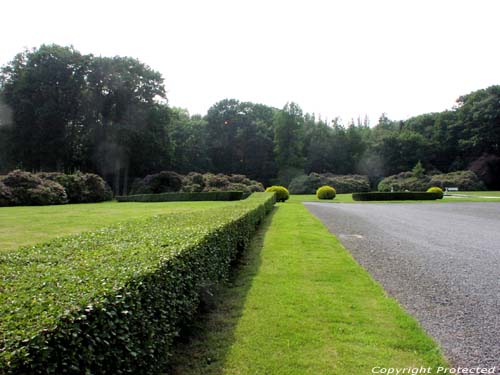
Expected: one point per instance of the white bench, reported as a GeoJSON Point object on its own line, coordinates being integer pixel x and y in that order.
{"type": "Point", "coordinates": [448, 189]}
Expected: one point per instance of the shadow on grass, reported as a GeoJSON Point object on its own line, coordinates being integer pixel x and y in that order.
{"type": "Point", "coordinates": [203, 348]}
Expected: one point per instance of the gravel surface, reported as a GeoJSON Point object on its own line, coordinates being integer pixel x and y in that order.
{"type": "Point", "coordinates": [441, 261]}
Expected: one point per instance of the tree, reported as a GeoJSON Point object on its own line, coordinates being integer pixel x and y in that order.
{"type": "Point", "coordinates": [45, 89]}
{"type": "Point", "coordinates": [123, 112]}
{"type": "Point", "coordinates": [289, 137]}
{"type": "Point", "coordinates": [240, 138]}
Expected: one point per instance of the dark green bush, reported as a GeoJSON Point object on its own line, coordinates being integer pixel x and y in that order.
{"type": "Point", "coordinates": [464, 180]}
{"type": "Point", "coordinates": [282, 193]}
{"type": "Point", "coordinates": [72, 184]}
{"type": "Point", "coordinates": [162, 182]}
{"type": "Point", "coordinates": [96, 189]}
{"type": "Point", "coordinates": [113, 300]}
{"type": "Point", "coordinates": [395, 196]}
{"type": "Point", "coordinates": [326, 192]}
{"type": "Point", "coordinates": [185, 196]}
{"type": "Point", "coordinates": [6, 197]}
{"type": "Point", "coordinates": [28, 189]}
{"type": "Point", "coordinates": [343, 183]}
{"type": "Point", "coordinates": [437, 190]}
{"type": "Point", "coordinates": [404, 181]}
{"type": "Point", "coordinates": [194, 182]}
{"type": "Point", "coordinates": [81, 188]}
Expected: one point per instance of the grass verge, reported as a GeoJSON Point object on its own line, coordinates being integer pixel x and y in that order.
{"type": "Point", "coordinates": [301, 305]}
{"type": "Point", "coordinates": [469, 196]}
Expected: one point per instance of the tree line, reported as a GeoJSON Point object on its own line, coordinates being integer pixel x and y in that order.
{"type": "Point", "coordinates": [64, 111]}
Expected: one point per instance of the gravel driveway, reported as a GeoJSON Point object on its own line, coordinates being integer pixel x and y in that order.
{"type": "Point", "coordinates": [441, 261]}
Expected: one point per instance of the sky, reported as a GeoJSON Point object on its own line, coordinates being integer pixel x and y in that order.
{"type": "Point", "coordinates": [334, 58]}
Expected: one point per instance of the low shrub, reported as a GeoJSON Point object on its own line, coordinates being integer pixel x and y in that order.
{"type": "Point", "coordinates": [326, 192]}
{"type": "Point", "coordinates": [113, 300]}
{"type": "Point", "coordinates": [343, 183]}
{"type": "Point", "coordinates": [194, 182]}
{"type": "Point", "coordinates": [80, 187]}
{"type": "Point", "coordinates": [395, 196]}
{"type": "Point", "coordinates": [487, 169]}
{"type": "Point", "coordinates": [404, 181]}
{"type": "Point", "coordinates": [185, 196]}
{"type": "Point", "coordinates": [464, 180]}
{"type": "Point", "coordinates": [96, 189]}
{"type": "Point", "coordinates": [162, 182]}
{"type": "Point", "coordinates": [6, 197]}
{"type": "Point", "coordinates": [436, 189]}
{"type": "Point", "coordinates": [28, 189]}
{"type": "Point", "coordinates": [282, 193]}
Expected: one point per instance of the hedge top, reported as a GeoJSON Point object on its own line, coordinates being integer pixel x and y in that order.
{"type": "Point", "coordinates": [42, 284]}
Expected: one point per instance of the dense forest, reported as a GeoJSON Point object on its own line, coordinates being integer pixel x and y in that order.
{"type": "Point", "coordinates": [61, 110]}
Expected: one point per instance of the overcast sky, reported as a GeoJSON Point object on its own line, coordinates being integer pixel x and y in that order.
{"type": "Point", "coordinates": [333, 58]}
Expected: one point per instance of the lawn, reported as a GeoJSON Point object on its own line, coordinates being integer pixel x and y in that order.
{"type": "Point", "coordinates": [300, 304]}
{"type": "Point", "coordinates": [465, 196]}
{"type": "Point", "coordinates": [29, 225]}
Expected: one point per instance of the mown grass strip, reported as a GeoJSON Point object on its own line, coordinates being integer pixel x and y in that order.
{"type": "Point", "coordinates": [111, 301]}
{"type": "Point", "coordinates": [301, 305]}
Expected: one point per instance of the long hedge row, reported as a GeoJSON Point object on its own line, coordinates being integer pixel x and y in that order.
{"type": "Point", "coordinates": [181, 197]}
{"type": "Point", "coordinates": [113, 300]}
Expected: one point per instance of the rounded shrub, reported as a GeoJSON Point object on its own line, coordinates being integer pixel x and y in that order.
{"type": "Point", "coordinates": [326, 192]}
{"type": "Point", "coordinates": [6, 198]}
{"type": "Point", "coordinates": [436, 189]}
{"type": "Point", "coordinates": [282, 193]}
{"type": "Point", "coordinates": [28, 189]}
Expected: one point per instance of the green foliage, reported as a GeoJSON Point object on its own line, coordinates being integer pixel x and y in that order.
{"type": "Point", "coordinates": [184, 196]}
{"type": "Point", "coordinates": [418, 170]}
{"type": "Point", "coordinates": [282, 193]}
{"type": "Point", "coordinates": [437, 190]}
{"type": "Point", "coordinates": [404, 181]}
{"type": "Point", "coordinates": [6, 198]}
{"type": "Point", "coordinates": [27, 189]}
{"type": "Point", "coordinates": [194, 182]}
{"type": "Point", "coordinates": [288, 137]}
{"type": "Point", "coordinates": [66, 111]}
{"type": "Point", "coordinates": [464, 180]}
{"type": "Point", "coordinates": [162, 182]}
{"type": "Point", "coordinates": [81, 187]}
{"type": "Point", "coordinates": [343, 183]}
{"type": "Point", "coordinates": [113, 300]}
{"type": "Point", "coordinates": [487, 168]}
{"type": "Point", "coordinates": [326, 192]}
{"type": "Point", "coordinates": [396, 196]}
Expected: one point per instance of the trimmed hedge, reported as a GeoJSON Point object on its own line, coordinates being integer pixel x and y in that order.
{"type": "Point", "coordinates": [396, 196]}
{"type": "Point", "coordinates": [181, 197]}
{"type": "Point", "coordinates": [436, 189]}
{"type": "Point", "coordinates": [112, 301]}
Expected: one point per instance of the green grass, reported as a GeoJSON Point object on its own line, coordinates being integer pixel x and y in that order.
{"type": "Point", "coordinates": [301, 305]}
{"type": "Point", "coordinates": [30, 225]}
{"type": "Point", "coordinates": [472, 196]}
